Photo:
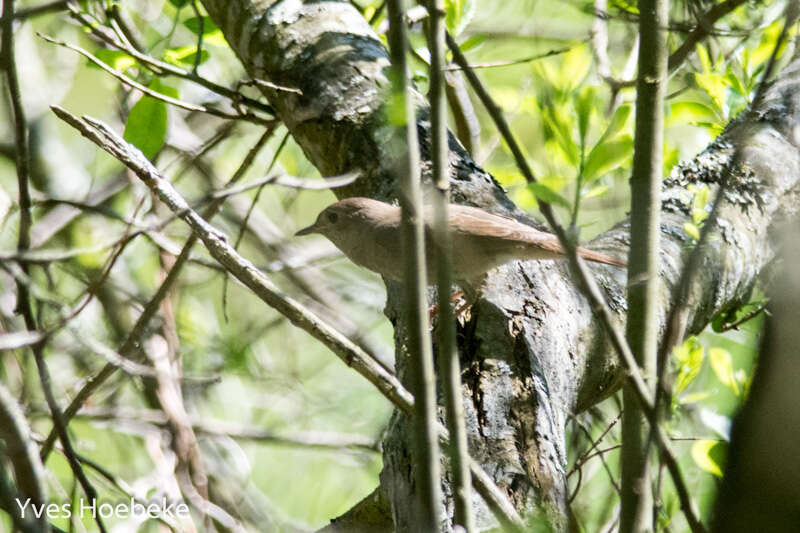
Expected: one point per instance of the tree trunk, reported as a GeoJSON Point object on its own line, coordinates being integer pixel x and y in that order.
{"type": "Point", "coordinates": [532, 353]}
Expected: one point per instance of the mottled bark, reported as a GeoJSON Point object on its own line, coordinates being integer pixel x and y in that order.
{"type": "Point", "coordinates": [532, 352]}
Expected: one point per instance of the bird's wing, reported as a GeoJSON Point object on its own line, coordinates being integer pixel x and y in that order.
{"type": "Point", "coordinates": [477, 222]}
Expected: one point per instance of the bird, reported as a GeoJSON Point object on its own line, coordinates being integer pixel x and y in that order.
{"type": "Point", "coordinates": [369, 233]}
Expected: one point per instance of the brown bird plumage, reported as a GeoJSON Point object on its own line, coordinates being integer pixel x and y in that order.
{"type": "Point", "coordinates": [368, 232]}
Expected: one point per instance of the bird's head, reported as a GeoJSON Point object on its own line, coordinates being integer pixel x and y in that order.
{"type": "Point", "coordinates": [349, 219]}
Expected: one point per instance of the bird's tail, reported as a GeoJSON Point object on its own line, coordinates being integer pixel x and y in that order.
{"type": "Point", "coordinates": [601, 258]}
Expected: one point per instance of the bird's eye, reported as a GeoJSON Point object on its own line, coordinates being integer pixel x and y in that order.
{"type": "Point", "coordinates": [333, 217]}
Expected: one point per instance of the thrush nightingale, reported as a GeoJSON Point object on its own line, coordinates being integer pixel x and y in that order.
{"type": "Point", "coordinates": [369, 233]}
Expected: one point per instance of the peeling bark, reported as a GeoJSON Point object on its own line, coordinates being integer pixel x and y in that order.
{"type": "Point", "coordinates": [532, 353]}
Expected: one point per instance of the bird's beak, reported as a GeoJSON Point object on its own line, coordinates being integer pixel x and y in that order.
{"type": "Point", "coordinates": [307, 231]}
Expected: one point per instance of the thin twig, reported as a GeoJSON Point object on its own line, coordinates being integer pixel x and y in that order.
{"type": "Point", "coordinates": [249, 117]}
{"type": "Point", "coordinates": [744, 318]}
{"type": "Point", "coordinates": [247, 215]}
{"type": "Point", "coordinates": [581, 460]}
{"type": "Point", "coordinates": [497, 64]}
{"type": "Point", "coordinates": [162, 67]}
{"type": "Point", "coordinates": [701, 31]}
{"type": "Point", "coordinates": [199, 48]}
{"type": "Point", "coordinates": [222, 428]}
{"type": "Point", "coordinates": [42, 9]}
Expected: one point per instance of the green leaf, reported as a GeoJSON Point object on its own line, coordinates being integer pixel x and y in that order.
{"type": "Point", "coordinates": [458, 13]}
{"type": "Point", "coordinates": [699, 203]}
{"type": "Point", "coordinates": [396, 109]}
{"type": "Point", "coordinates": [584, 104]}
{"type": "Point", "coordinates": [596, 191]}
{"type": "Point", "coordinates": [607, 156]}
{"type": "Point", "coordinates": [546, 194]}
{"type": "Point", "coordinates": [714, 128]}
{"type": "Point", "coordinates": [193, 24]}
{"type": "Point", "coordinates": [694, 397]}
{"type": "Point", "coordinates": [715, 86]}
{"type": "Point", "coordinates": [689, 359]}
{"type": "Point", "coordinates": [702, 55]}
{"type": "Point", "coordinates": [722, 365]}
{"type": "Point", "coordinates": [671, 158]}
{"type": "Point", "coordinates": [729, 316]}
{"type": "Point", "coordinates": [183, 56]}
{"type": "Point", "coordinates": [769, 37]}
{"type": "Point", "coordinates": [710, 455]}
{"type": "Point", "coordinates": [559, 125]}
{"type": "Point", "coordinates": [178, 3]}
{"type": "Point", "coordinates": [211, 32]}
{"type": "Point", "coordinates": [146, 127]}
{"type": "Point", "coordinates": [617, 123]}
{"type": "Point", "coordinates": [692, 230]}
{"type": "Point", "coordinates": [575, 66]}
{"type": "Point", "coordinates": [736, 84]}
{"type": "Point", "coordinates": [689, 112]}
{"type": "Point", "coordinates": [473, 42]}
{"type": "Point", "coordinates": [554, 182]}
{"type": "Point", "coordinates": [117, 60]}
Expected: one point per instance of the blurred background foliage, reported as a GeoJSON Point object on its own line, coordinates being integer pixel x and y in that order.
{"type": "Point", "coordinates": [243, 363]}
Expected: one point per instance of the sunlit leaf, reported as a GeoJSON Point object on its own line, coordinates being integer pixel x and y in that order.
{"type": "Point", "coordinates": [689, 360]}
{"type": "Point", "coordinates": [211, 32]}
{"type": "Point", "coordinates": [702, 56]}
{"type": "Point", "coordinates": [585, 102]}
{"type": "Point", "coordinates": [607, 156]}
{"type": "Point", "coordinates": [596, 191]}
{"type": "Point", "coordinates": [554, 182]}
{"type": "Point", "coordinates": [714, 128]}
{"type": "Point", "coordinates": [736, 84]}
{"type": "Point", "coordinates": [396, 109]}
{"type": "Point", "coordinates": [183, 56]}
{"type": "Point", "coordinates": [710, 455]}
{"type": "Point", "coordinates": [458, 13]}
{"type": "Point", "coordinates": [473, 42]}
{"type": "Point", "coordinates": [689, 112]}
{"type": "Point", "coordinates": [546, 194]}
{"type": "Point", "coordinates": [575, 66]}
{"type": "Point", "coordinates": [715, 85]}
{"type": "Point", "coordinates": [722, 365]}
{"type": "Point", "coordinates": [560, 126]}
{"type": "Point", "coordinates": [692, 230]}
{"type": "Point", "coordinates": [617, 123]}
{"type": "Point", "coordinates": [114, 58]}
{"type": "Point", "coordinates": [769, 37]}
{"type": "Point", "coordinates": [671, 158]}
{"type": "Point", "coordinates": [694, 397]}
